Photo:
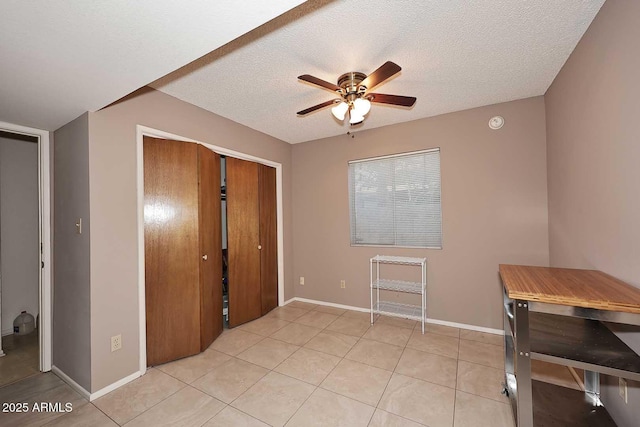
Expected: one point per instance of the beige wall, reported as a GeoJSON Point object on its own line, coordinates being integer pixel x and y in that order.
{"type": "Point", "coordinates": [19, 239]}
{"type": "Point", "coordinates": [494, 204]}
{"type": "Point", "coordinates": [71, 253]}
{"type": "Point", "coordinates": [114, 227]}
{"type": "Point", "coordinates": [593, 153]}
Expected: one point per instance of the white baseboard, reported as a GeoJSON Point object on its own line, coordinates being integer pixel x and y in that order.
{"type": "Point", "coordinates": [465, 326]}
{"type": "Point", "coordinates": [329, 304]}
{"type": "Point", "coordinates": [117, 384]}
{"type": "Point", "coordinates": [74, 385]}
{"type": "Point", "coordinates": [93, 396]}
{"type": "Point", "coordinates": [434, 321]}
{"type": "Point", "coordinates": [288, 301]}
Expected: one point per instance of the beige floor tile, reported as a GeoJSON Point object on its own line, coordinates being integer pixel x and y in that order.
{"type": "Point", "coordinates": [130, 400]}
{"type": "Point", "coordinates": [360, 315]}
{"type": "Point", "coordinates": [296, 333]}
{"type": "Point", "coordinates": [481, 380]}
{"type": "Point", "coordinates": [317, 319]}
{"type": "Point", "coordinates": [388, 334]}
{"type": "Point", "coordinates": [484, 337]}
{"type": "Point", "coordinates": [386, 419]}
{"type": "Point", "coordinates": [475, 411]}
{"type": "Point", "coordinates": [419, 401]}
{"type": "Point", "coordinates": [374, 353]}
{"type": "Point", "coordinates": [303, 305]}
{"type": "Point", "coordinates": [230, 380]}
{"type": "Point", "coordinates": [39, 388]}
{"type": "Point", "coordinates": [235, 341]}
{"type": "Point", "coordinates": [396, 321]}
{"type": "Point", "coordinates": [264, 326]}
{"type": "Point", "coordinates": [331, 310]}
{"type": "Point", "coordinates": [268, 353]}
{"type": "Point", "coordinates": [188, 407]}
{"type": "Point", "coordinates": [324, 408]}
{"type": "Point", "coordinates": [21, 357]}
{"type": "Point", "coordinates": [481, 353]}
{"type": "Point", "coordinates": [332, 343]}
{"type": "Point", "coordinates": [358, 381]}
{"type": "Point", "coordinates": [86, 415]}
{"type": "Point", "coordinates": [231, 417]}
{"type": "Point", "coordinates": [308, 365]}
{"type": "Point", "coordinates": [428, 367]}
{"type": "Point", "coordinates": [191, 368]}
{"type": "Point", "coordinates": [553, 374]}
{"type": "Point", "coordinates": [287, 313]}
{"type": "Point", "coordinates": [441, 329]}
{"type": "Point", "coordinates": [349, 326]}
{"type": "Point", "coordinates": [274, 399]}
{"type": "Point", "coordinates": [434, 343]}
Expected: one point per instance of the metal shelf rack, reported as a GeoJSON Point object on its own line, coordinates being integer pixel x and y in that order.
{"type": "Point", "coordinates": [388, 308]}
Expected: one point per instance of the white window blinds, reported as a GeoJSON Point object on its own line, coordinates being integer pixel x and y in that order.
{"type": "Point", "coordinates": [395, 200]}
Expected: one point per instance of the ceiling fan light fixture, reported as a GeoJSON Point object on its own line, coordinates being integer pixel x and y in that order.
{"type": "Point", "coordinates": [355, 118]}
{"type": "Point", "coordinates": [354, 96]}
{"type": "Point", "coordinates": [340, 110]}
{"type": "Point", "coordinates": [362, 106]}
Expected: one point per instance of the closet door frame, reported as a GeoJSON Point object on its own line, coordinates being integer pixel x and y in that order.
{"type": "Point", "coordinates": [142, 131]}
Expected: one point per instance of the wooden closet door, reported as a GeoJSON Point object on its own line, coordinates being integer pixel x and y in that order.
{"type": "Point", "coordinates": [171, 250]}
{"type": "Point", "coordinates": [243, 221]}
{"type": "Point", "coordinates": [210, 223]}
{"type": "Point", "coordinates": [268, 238]}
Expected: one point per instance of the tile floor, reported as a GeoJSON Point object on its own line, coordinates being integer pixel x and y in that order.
{"type": "Point", "coordinates": [20, 359]}
{"type": "Point", "coordinates": [304, 365]}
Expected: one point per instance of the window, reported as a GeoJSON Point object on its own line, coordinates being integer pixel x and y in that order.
{"type": "Point", "coordinates": [395, 200]}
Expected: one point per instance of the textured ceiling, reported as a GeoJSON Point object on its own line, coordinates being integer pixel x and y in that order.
{"type": "Point", "coordinates": [455, 55]}
{"type": "Point", "coordinates": [62, 58]}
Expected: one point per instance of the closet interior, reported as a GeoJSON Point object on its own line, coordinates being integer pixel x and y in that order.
{"type": "Point", "coordinates": [210, 245]}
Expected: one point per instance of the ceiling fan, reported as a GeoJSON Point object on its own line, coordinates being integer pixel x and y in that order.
{"type": "Point", "coordinates": [355, 98]}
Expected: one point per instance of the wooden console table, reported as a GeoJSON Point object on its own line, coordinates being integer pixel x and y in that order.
{"type": "Point", "coordinates": [555, 315]}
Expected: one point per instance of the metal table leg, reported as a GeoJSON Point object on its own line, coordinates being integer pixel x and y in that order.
{"type": "Point", "coordinates": [523, 363]}
{"type": "Point", "coordinates": [592, 387]}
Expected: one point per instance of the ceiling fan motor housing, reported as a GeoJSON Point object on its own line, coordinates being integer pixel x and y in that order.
{"type": "Point", "coordinates": [349, 83]}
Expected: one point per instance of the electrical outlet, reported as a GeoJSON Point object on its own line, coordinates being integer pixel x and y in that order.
{"type": "Point", "coordinates": [302, 280]}
{"type": "Point", "coordinates": [116, 342]}
{"type": "Point", "coordinates": [622, 389]}
{"type": "Point", "coordinates": [343, 284]}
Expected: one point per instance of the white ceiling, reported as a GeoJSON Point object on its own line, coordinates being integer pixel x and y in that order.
{"type": "Point", "coordinates": [455, 55]}
{"type": "Point", "coordinates": [59, 59]}
{"type": "Point", "coordinates": [62, 58]}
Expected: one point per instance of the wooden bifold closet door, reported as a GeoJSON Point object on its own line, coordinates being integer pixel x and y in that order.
{"type": "Point", "coordinates": [210, 233]}
{"type": "Point", "coordinates": [252, 242]}
{"type": "Point", "coordinates": [268, 238]}
{"type": "Point", "coordinates": [183, 260]}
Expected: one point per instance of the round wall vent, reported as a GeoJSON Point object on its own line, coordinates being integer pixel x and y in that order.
{"type": "Point", "coordinates": [496, 122]}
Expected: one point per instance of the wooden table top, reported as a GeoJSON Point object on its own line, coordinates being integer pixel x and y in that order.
{"type": "Point", "coordinates": [566, 286]}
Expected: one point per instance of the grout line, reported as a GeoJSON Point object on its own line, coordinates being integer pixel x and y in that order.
{"type": "Point", "coordinates": [455, 394]}
{"type": "Point", "coordinates": [105, 414]}
{"type": "Point", "coordinates": [299, 407]}
{"type": "Point", "coordinates": [241, 411]}
{"type": "Point", "coordinates": [216, 414]}
{"type": "Point", "coordinates": [390, 377]}
{"type": "Point", "coordinates": [156, 404]}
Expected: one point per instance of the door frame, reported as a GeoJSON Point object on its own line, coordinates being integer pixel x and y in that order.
{"type": "Point", "coordinates": [44, 201]}
{"type": "Point", "coordinates": [141, 132]}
